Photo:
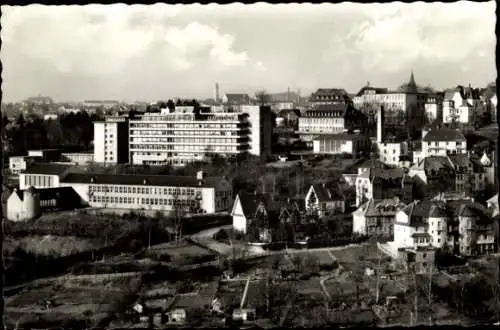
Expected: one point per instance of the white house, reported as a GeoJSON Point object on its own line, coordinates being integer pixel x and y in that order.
{"type": "Point", "coordinates": [442, 141]}
{"type": "Point", "coordinates": [324, 200]}
{"type": "Point", "coordinates": [492, 204]}
{"type": "Point", "coordinates": [390, 152]}
{"type": "Point", "coordinates": [244, 208]}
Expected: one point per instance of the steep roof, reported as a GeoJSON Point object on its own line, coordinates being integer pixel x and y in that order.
{"type": "Point", "coordinates": [47, 169]}
{"type": "Point", "coordinates": [330, 92]}
{"type": "Point", "coordinates": [141, 179]}
{"type": "Point", "coordinates": [433, 164]}
{"type": "Point", "coordinates": [327, 110]}
{"type": "Point", "coordinates": [444, 134]}
{"type": "Point", "coordinates": [460, 160]}
{"type": "Point", "coordinates": [326, 194]}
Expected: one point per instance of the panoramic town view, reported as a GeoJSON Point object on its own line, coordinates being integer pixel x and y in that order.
{"type": "Point", "coordinates": [250, 166]}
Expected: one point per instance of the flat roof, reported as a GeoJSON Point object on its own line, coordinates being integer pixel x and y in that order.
{"type": "Point", "coordinates": [47, 169]}
{"type": "Point", "coordinates": [141, 180]}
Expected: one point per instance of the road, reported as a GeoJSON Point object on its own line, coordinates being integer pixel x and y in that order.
{"type": "Point", "coordinates": [209, 233]}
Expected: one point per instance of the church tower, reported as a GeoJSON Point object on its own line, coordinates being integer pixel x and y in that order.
{"type": "Point", "coordinates": [412, 86]}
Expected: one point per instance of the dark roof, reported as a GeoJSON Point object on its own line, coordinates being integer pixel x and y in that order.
{"type": "Point", "coordinates": [384, 207]}
{"type": "Point", "coordinates": [433, 164]}
{"type": "Point", "coordinates": [369, 88]}
{"type": "Point", "coordinates": [342, 137]}
{"type": "Point", "coordinates": [47, 169]}
{"type": "Point", "coordinates": [444, 134]}
{"type": "Point", "coordinates": [141, 179]}
{"type": "Point", "coordinates": [326, 194]}
{"type": "Point", "coordinates": [467, 208]}
{"type": "Point", "coordinates": [330, 92]}
{"type": "Point", "coordinates": [249, 203]}
{"type": "Point", "coordinates": [238, 98]}
{"type": "Point", "coordinates": [47, 193]}
{"type": "Point", "coordinates": [460, 160]}
{"type": "Point", "coordinates": [388, 174]}
{"type": "Point", "coordinates": [285, 112]}
{"type": "Point", "coordinates": [327, 110]}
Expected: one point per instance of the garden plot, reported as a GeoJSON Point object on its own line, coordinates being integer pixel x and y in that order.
{"type": "Point", "coordinates": [324, 258]}
{"type": "Point", "coordinates": [349, 258]}
{"type": "Point", "coordinates": [60, 301]}
{"type": "Point", "coordinates": [230, 293]}
{"type": "Point", "coordinates": [181, 254]}
{"type": "Point", "coordinates": [310, 288]}
{"type": "Point", "coordinates": [256, 294]}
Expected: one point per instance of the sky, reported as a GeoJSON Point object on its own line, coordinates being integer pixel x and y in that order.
{"type": "Point", "coordinates": [156, 52]}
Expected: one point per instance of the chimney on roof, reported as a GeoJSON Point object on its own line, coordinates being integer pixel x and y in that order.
{"type": "Point", "coordinates": [367, 84]}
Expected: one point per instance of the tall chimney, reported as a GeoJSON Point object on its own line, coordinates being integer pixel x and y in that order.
{"type": "Point", "coordinates": [380, 124]}
{"type": "Point", "coordinates": [216, 92]}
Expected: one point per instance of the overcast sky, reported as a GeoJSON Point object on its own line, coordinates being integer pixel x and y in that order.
{"type": "Point", "coordinates": [156, 52]}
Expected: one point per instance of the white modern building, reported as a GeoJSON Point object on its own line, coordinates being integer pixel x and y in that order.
{"type": "Point", "coordinates": [184, 136]}
{"type": "Point", "coordinates": [43, 175]}
{"type": "Point", "coordinates": [163, 193]}
{"type": "Point", "coordinates": [111, 140]}
{"type": "Point", "coordinates": [343, 143]}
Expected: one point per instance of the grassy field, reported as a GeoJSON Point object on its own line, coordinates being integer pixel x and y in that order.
{"type": "Point", "coordinates": [324, 258]}
{"type": "Point", "coordinates": [349, 257]}
{"type": "Point", "coordinates": [71, 299]}
{"type": "Point", "coordinates": [50, 245]}
{"type": "Point", "coordinates": [310, 289]}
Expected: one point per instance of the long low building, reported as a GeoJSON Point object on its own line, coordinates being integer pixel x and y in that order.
{"type": "Point", "coordinates": [165, 193]}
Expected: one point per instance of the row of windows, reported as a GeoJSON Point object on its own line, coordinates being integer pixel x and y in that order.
{"type": "Point", "coordinates": [144, 201]}
{"type": "Point", "coordinates": [325, 120]}
{"type": "Point", "coordinates": [38, 180]}
{"type": "Point", "coordinates": [143, 190]}
{"type": "Point", "coordinates": [184, 126]}
{"type": "Point", "coordinates": [184, 140]}
{"type": "Point", "coordinates": [202, 148]}
{"type": "Point", "coordinates": [136, 133]}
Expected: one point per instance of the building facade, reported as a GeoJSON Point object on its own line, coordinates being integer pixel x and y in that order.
{"type": "Point", "coordinates": [325, 96]}
{"type": "Point", "coordinates": [17, 164]}
{"type": "Point", "coordinates": [353, 144]}
{"type": "Point", "coordinates": [376, 217]}
{"type": "Point", "coordinates": [443, 141]}
{"type": "Point", "coordinates": [162, 193]}
{"type": "Point", "coordinates": [181, 137]}
{"type": "Point", "coordinates": [328, 119]}
{"type": "Point", "coordinates": [111, 140]}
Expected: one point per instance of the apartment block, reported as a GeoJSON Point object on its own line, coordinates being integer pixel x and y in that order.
{"type": "Point", "coordinates": [183, 136]}
{"type": "Point", "coordinates": [111, 140]}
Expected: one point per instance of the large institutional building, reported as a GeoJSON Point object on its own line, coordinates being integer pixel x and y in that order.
{"type": "Point", "coordinates": [184, 135]}
{"type": "Point", "coordinates": [163, 193]}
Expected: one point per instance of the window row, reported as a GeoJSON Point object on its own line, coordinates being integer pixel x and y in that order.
{"type": "Point", "coordinates": [38, 180]}
{"type": "Point", "coordinates": [143, 190]}
{"type": "Point", "coordinates": [143, 201]}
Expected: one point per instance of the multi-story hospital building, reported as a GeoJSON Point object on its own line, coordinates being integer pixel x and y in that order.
{"type": "Point", "coordinates": [185, 134]}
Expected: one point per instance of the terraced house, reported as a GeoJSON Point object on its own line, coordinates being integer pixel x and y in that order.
{"type": "Point", "coordinates": [462, 226]}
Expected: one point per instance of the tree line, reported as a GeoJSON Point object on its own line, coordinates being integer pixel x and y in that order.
{"type": "Point", "coordinates": [73, 131]}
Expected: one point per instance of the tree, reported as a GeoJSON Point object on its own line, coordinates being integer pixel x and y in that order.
{"type": "Point", "coordinates": [262, 97]}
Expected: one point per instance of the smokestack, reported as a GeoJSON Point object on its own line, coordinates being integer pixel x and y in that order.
{"type": "Point", "coordinates": [216, 92]}
{"type": "Point", "coordinates": [380, 124]}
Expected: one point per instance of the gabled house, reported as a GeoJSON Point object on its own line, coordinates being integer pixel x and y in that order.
{"type": "Point", "coordinates": [376, 217]}
{"type": "Point", "coordinates": [436, 173]}
{"type": "Point", "coordinates": [379, 183]}
{"type": "Point", "coordinates": [323, 200]}
{"type": "Point", "coordinates": [260, 212]}
{"type": "Point", "coordinates": [443, 141]}
{"type": "Point", "coordinates": [492, 205]}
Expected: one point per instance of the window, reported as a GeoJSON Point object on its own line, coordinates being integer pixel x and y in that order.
{"type": "Point", "coordinates": [424, 255]}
